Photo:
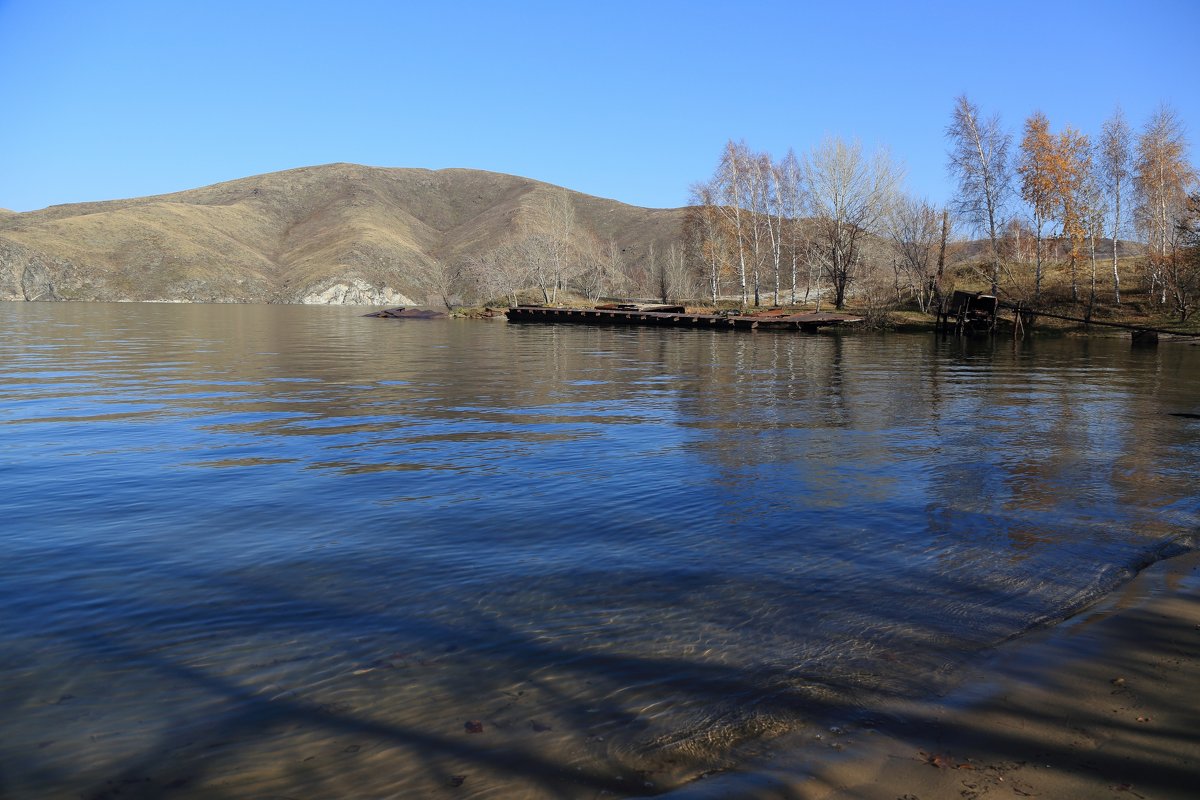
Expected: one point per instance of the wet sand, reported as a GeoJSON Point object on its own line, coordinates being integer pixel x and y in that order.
{"type": "Point", "coordinates": [1106, 704]}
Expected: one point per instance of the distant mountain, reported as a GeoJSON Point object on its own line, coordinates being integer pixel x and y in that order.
{"type": "Point", "coordinates": [340, 233]}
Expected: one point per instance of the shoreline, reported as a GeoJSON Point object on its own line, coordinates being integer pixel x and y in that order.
{"type": "Point", "coordinates": [1100, 705]}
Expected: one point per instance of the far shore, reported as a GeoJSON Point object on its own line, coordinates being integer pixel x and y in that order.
{"type": "Point", "coordinates": [1060, 317]}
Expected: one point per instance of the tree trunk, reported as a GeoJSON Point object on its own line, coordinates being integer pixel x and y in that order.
{"type": "Point", "coordinates": [1037, 269]}
{"type": "Point", "coordinates": [941, 264]}
{"type": "Point", "coordinates": [1116, 232]}
{"type": "Point", "coordinates": [714, 281]}
{"type": "Point", "coordinates": [793, 276]}
{"type": "Point", "coordinates": [1074, 277]}
{"type": "Point", "coordinates": [1092, 294]}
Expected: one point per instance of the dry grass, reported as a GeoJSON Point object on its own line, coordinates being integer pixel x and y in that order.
{"type": "Point", "coordinates": [1136, 306]}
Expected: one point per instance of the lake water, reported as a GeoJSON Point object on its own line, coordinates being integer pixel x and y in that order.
{"type": "Point", "coordinates": [293, 552]}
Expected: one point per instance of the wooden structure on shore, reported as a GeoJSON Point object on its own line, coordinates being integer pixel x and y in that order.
{"type": "Point", "coordinates": [968, 312]}
{"type": "Point", "coordinates": [679, 317]}
{"type": "Point", "coordinates": [1139, 334]}
{"type": "Point", "coordinates": [965, 313]}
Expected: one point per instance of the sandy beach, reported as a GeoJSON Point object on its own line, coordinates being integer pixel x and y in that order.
{"type": "Point", "coordinates": [1103, 705]}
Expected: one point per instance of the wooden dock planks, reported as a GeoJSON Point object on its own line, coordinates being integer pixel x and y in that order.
{"type": "Point", "coordinates": [809, 321]}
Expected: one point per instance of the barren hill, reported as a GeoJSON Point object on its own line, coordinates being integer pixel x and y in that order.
{"type": "Point", "coordinates": [329, 234]}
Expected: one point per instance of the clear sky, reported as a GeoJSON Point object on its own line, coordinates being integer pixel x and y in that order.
{"type": "Point", "coordinates": [626, 100]}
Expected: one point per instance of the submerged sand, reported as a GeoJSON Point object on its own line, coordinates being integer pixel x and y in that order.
{"type": "Point", "coordinates": [1106, 704]}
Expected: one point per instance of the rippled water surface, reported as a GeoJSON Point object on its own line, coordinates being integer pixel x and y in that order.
{"type": "Point", "coordinates": [288, 551]}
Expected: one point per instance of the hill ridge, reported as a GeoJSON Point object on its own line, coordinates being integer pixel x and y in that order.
{"type": "Point", "coordinates": [337, 232]}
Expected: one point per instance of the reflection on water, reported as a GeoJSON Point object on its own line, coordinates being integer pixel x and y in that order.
{"type": "Point", "coordinates": [250, 551]}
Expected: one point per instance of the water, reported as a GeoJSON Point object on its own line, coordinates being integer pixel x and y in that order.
{"type": "Point", "coordinates": [289, 551]}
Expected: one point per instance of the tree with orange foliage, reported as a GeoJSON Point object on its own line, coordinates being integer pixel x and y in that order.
{"type": "Point", "coordinates": [1037, 169]}
{"type": "Point", "coordinates": [1072, 164]}
{"type": "Point", "coordinates": [1186, 283]}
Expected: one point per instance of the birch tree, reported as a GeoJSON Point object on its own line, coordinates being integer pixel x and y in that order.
{"type": "Point", "coordinates": [978, 159]}
{"type": "Point", "coordinates": [549, 231]}
{"type": "Point", "coordinates": [707, 235]}
{"type": "Point", "coordinates": [1093, 206]}
{"type": "Point", "coordinates": [757, 175]}
{"type": "Point", "coordinates": [1162, 177]}
{"type": "Point", "coordinates": [1036, 168]}
{"type": "Point", "coordinates": [1114, 169]}
{"type": "Point", "coordinates": [729, 184]}
{"type": "Point", "coordinates": [1072, 165]}
{"type": "Point", "coordinates": [774, 219]}
{"type": "Point", "coordinates": [789, 184]}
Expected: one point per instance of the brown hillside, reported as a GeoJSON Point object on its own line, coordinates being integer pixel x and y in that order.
{"type": "Point", "coordinates": [334, 233]}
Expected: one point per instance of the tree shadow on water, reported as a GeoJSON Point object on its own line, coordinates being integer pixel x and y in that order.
{"type": "Point", "coordinates": [205, 757]}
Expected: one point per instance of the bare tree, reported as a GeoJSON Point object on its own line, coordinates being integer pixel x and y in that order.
{"type": "Point", "coordinates": [772, 214]}
{"type": "Point", "coordinates": [914, 227]}
{"type": "Point", "coordinates": [789, 186]}
{"type": "Point", "coordinates": [1114, 159]}
{"type": "Point", "coordinates": [1093, 213]}
{"type": "Point", "coordinates": [729, 186]}
{"type": "Point", "coordinates": [744, 191]}
{"type": "Point", "coordinates": [757, 175]}
{"type": "Point", "coordinates": [675, 280]}
{"type": "Point", "coordinates": [817, 261]}
{"type": "Point", "coordinates": [533, 247]}
{"type": "Point", "coordinates": [940, 278]}
{"type": "Point", "coordinates": [601, 267]}
{"type": "Point", "coordinates": [978, 159]}
{"type": "Point", "coordinates": [848, 195]}
{"type": "Point", "coordinates": [499, 273]}
{"type": "Point", "coordinates": [708, 238]}
{"type": "Point", "coordinates": [875, 287]}
{"type": "Point", "coordinates": [549, 229]}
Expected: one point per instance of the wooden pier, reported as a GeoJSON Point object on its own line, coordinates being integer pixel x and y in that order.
{"type": "Point", "coordinates": [678, 317]}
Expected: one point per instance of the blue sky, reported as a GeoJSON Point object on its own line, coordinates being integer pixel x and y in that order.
{"type": "Point", "coordinates": [627, 100]}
